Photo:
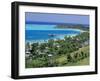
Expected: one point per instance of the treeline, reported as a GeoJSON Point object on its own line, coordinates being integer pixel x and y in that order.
{"type": "Point", "coordinates": [78, 26]}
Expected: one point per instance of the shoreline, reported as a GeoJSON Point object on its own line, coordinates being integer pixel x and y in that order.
{"type": "Point", "coordinates": [61, 37]}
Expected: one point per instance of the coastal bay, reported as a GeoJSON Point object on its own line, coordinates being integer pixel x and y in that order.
{"type": "Point", "coordinates": [49, 46]}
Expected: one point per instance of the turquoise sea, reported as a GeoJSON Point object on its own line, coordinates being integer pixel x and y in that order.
{"type": "Point", "coordinates": [45, 32]}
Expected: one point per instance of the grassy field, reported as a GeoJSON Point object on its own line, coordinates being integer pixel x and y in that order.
{"type": "Point", "coordinates": [82, 62]}
{"type": "Point", "coordinates": [85, 61]}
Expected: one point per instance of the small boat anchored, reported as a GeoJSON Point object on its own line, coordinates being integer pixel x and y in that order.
{"type": "Point", "coordinates": [52, 35]}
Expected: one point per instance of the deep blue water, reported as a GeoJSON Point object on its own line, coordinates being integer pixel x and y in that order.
{"type": "Point", "coordinates": [47, 34]}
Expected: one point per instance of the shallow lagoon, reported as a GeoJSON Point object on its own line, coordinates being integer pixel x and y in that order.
{"type": "Point", "coordinates": [34, 32]}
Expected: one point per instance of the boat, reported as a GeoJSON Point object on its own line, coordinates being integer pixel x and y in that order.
{"type": "Point", "coordinates": [52, 35]}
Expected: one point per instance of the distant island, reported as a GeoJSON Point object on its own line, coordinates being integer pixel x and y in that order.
{"type": "Point", "coordinates": [73, 26]}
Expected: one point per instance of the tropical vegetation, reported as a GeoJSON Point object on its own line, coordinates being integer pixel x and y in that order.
{"type": "Point", "coordinates": [70, 51]}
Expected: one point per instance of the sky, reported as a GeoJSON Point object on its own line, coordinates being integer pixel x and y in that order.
{"type": "Point", "coordinates": [52, 18]}
{"type": "Point", "coordinates": [48, 21]}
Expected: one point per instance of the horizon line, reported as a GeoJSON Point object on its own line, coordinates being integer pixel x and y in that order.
{"type": "Point", "coordinates": [53, 23]}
